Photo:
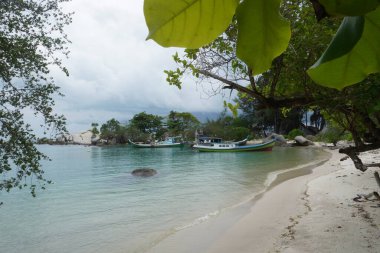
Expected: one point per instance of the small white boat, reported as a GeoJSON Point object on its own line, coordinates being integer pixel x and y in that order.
{"type": "Point", "coordinates": [168, 142]}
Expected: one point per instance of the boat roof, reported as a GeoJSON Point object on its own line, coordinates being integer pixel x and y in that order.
{"type": "Point", "coordinates": [206, 138]}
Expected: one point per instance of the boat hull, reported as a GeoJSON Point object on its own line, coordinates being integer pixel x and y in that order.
{"type": "Point", "coordinates": [156, 145]}
{"type": "Point", "coordinates": [233, 148]}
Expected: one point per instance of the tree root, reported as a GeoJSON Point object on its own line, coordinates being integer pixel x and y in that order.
{"type": "Point", "coordinates": [377, 177]}
{"type": "Point", "coordinates": [367, 197]}
{"type": "Point", "coordinates": [353, 153]}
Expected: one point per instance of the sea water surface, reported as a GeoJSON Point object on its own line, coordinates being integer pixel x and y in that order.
{"type": "Point", "coordinates": [96, 205]}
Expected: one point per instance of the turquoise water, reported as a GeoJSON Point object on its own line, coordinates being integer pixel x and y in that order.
{"type": "Point", "coordinates": [96, 205]}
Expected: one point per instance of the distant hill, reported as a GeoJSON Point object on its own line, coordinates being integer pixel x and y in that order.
{"type": "Point", "coordinates": [204, 116]}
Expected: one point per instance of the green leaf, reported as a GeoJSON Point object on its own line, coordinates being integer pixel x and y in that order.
{"type": "Point", "coordinates": [263, 33]}
{"type": "Point", "coordinates": [233, 109]}
{"type": "Point", "coordinates": [345, 39]}
{"type": "Point", "coordinates": [190, 24]}
{"type": "Point", "coordinates": [352, 67]}
{"type": "Point", "coordinates": [349, 7]}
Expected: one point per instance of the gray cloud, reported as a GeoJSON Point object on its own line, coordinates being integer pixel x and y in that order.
{"type": "Point", "coordinates": [115, 72]}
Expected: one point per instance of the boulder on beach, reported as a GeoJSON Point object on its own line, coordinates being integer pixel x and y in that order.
{"type": "Point", "coordinates": [144, 172]}
{"type": "Point", "coordinates": [280, 140]}
{"type": "Point", "coordinates": [302, 141]}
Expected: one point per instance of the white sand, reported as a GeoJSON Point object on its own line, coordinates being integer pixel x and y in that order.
{"type": "Point", "coordinates": [309, 213]}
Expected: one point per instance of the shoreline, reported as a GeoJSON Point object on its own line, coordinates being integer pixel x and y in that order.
{"type": "Point", "coordinates": [281, 218]}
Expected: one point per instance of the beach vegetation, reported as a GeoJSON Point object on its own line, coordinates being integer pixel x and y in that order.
{"type": "Point", "coordinates": [32, 43]}
{"type": "Point", "coordinates": [331, 135]}
{"type": "Point", "coordinates": [227, 127]}
{"type": "Point", "coordinates": [293, 133]}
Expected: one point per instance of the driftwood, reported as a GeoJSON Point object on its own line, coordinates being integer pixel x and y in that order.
{"type": "Point", "coordinates": [367, 197]}
{"type": "Point", "coordinates": [373, 165]}
{"type": "Point", "coordinates": [353, 153]}
{"type": "Point", "coordinates": [377, 177]}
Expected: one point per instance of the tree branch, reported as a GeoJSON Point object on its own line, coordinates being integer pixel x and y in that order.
{"type": "Point", "coordinates": [277, 66]}
{"type": "Point", "coordinates": [353, 153]}
{"type": "Point", "coordinates": [234, 86]}
{"type": "Point", "coordinates": [319, 10]}
{"type": "Point", "coordinates": [266, 102]}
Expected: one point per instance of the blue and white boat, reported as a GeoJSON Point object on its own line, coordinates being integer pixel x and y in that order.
{"type": "Point", "coordinates": [168, 142]}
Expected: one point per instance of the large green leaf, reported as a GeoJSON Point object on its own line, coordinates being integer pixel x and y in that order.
{"type": "Point", "coordinates": [352, 67]}
{"type": "Point", "coordinates": [190, 24]}
{"type": "Point", "coordinates": [345, 39]}
{"type": "Point", "coordinates": [263, 33]}
{"type": "Point", "coordinates": [349, 7]}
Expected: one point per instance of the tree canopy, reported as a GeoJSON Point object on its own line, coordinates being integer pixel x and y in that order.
{"type": "Point", "coordinates": [272, 71]}
{"type": "Point", "coordinates": [182, 123]}
{"type": "Point", "coordinates": [32, 41]}
{"type": "Point", "coordinates": [263, 34]}
{"type": "Point", "coordinates": [147, 123]}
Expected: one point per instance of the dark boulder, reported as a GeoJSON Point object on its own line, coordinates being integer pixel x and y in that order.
{"type": "Point", "coordinates": [144, 172]}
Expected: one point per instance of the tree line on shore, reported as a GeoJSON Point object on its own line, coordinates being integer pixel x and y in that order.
{"type": "Point", "coordinates": [145, 127]}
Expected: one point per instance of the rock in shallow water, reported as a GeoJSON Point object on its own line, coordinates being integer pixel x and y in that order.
{"type": "Point", "coordinates": [144, 172]}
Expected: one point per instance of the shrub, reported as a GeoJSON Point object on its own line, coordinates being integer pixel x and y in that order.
{"type": "Point", "coordinates": [293, 133]}
{"type": "Point", "coordinates": [332, 135]}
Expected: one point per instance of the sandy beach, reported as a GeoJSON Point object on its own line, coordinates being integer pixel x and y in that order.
{"type": "Point", "coordinates": [309, 209]}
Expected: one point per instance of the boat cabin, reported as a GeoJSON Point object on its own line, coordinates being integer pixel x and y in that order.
{"type": "Point", "coordinates": [209, 140]}
{"type": "Point", "coordinates": [170, 140]}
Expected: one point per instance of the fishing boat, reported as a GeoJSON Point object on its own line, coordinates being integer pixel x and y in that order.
{"type": "Point", "coordinates": [168, 142]}
{"type": "Point", "coordinates": [235, 147]}
{"type": "Point", "coordinates": [208, 141]}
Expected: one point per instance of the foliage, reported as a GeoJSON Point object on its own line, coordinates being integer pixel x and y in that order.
{"type": "Point", "coordinates": [32, 41]}
{"type": "Point", "coordinates": [167, 19]}
{"type": "Point", "coordinates": [257, 48]}
{"type": "Point", "coordinates": [259, 51]}
{"type": "Point", "coordinates": [331, 135]}
{"type": "Point", "coordinates": [94, 129]}
{"type": "Point", "coordinates": [144, 127]}
{"type": "Point", "coordinates": [147, 123]}
{"type": "Point", "coordinates": [351, 56]}
{"type": "Point", "coordinates": [182, 123]}
{"type": "Point", "coordinates": [227, 127]}
{"type": "Point", "coordinates": [233, 108]}
{"type": "Point", "coordinates": [113, 131]}
{"type": "Point", "coordinates": [237, 133]}
{"type": "Point", "coordinates": [133, 133]}
{"type": "Point", "coordinates": [293, 133]}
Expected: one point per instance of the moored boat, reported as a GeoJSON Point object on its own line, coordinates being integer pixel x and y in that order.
{"type": "Point", "coordinates": [168, 142]}
{"type": "Point", "coordinates": [235, 147]}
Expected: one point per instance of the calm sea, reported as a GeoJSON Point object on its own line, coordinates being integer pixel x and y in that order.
{"type": "Point", "coordinates": [96, 205]}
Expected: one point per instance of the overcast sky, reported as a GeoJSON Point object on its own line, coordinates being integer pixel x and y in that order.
{"type": "Point", "coordinates": [116, 73]}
